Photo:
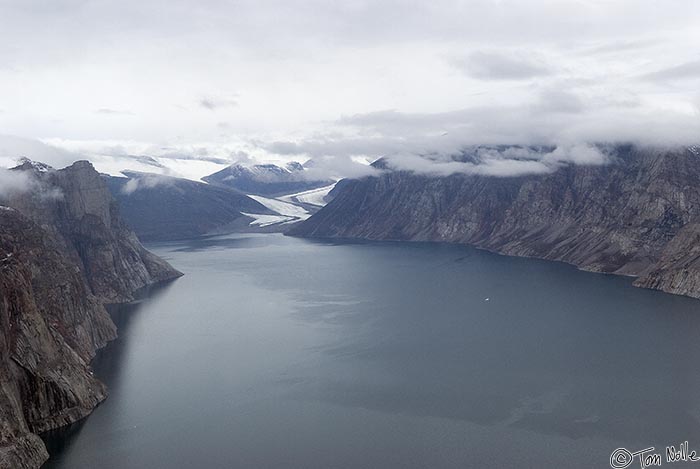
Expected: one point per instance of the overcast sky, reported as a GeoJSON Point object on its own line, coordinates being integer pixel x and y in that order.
{"type": "Point", "coordinates": [280, 80]}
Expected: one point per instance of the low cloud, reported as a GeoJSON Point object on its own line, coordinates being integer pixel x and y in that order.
{"type": "Point", "coordinates": [145, 181]}
{"type": "Point", "coordinates": [14, 182]}
{"type": "Point", "coordinates": [558, 119]}
{"type": "Point", "coordinates": [500, 162]}
{"type": "Point", "coordinates": [493, 65]}
{"type": "Point", "coordinates": [337, 167]}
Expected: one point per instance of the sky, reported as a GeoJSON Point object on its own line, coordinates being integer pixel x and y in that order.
{"type": "Point", "coordinates": [185, 87]}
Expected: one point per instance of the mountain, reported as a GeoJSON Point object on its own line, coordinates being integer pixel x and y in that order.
{"type": "Point", "coordinates": [64, 253]}
{"type": "Point", "coordinates": [166, 208]}
{"type": "Point", "coordinates": [268, 180]}
{"type": "Point", "coordinates": [639, 215]}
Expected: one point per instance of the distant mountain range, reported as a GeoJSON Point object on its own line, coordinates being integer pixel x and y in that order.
{"type": "Point", "coordinates": [268, 180]}
{"type": "Point", "coordinates": [639, 215]}
{"type": "Point", "coordinates": [164, 208]}
{"type": "Point", "coordinates": [161, 207]}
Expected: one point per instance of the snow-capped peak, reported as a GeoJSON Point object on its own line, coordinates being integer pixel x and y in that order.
{"type": "Point", "coordinates": [36, 165]}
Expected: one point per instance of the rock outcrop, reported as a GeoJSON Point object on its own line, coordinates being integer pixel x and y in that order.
{"type": "Point", "coordinates": [64, 252]}
{"type": "Point", "coordinates": [639, 215]}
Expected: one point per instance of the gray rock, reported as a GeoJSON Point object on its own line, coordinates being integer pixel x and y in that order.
{"type": "Point", "coordinates": [64, 252]}
{"type": "Point", "coordinates": [636, 216]}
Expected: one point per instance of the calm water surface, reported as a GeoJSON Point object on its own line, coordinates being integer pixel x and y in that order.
{"type": "Point", "coordinates": [275, 352]}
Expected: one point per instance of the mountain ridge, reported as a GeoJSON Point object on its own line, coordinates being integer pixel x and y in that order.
{"type": "Point", "coordinates": [267, 180]}
{"type": "Point", "coordinates": [634, 216]}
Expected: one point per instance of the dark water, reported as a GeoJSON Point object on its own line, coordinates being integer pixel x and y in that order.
{"type": "Point", "coordinates": [275, 353]}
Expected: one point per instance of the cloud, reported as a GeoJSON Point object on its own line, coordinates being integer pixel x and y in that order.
{"type": "Point", "coordinates": [14, 182]}
{"type": "Point", "coordinates": [555, 119]}
{"type": "Point", "coordinates": [113, 112]}
{"type": "Point", "coordinates": [330, 80]}
{"type": "Point", "coordinates": [213, 103]}
{"type": "Point", "coordinates": [586, 155]}
{"type": "Point", "coordinates": [559, 100]}
{"type": "Point", "coordinates": [285, 148]}
{"type": "Point", "coordinates": [241, 157]}
{"type": "Point", "coordinates": [188, 160]}
{"type": "Point", "coordinates": [619, 46]}
{"type": "Point", "coordinates": [145, 181]}
{"type": "Point", "coordinates": [496, 65]}
{"type": "Point", "coordinates": [441, 157]}
{"type": "Point", "coordinates": [13, 148]}
{"type": "Point", "coordinates": [337, 167]}
{"type": "Point", "coordinates": [684, 71]}
{"type": "Point", "coordinates": [553, 116]}
{"type": "Point", "coordinates": [499, 162]}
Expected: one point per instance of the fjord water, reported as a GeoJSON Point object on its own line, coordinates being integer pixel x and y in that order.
{"type": "Point", "coordinates": [278, 352]}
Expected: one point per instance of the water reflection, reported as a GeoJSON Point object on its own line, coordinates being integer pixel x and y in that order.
{"type": "Point", "coordinates": [108, 363]}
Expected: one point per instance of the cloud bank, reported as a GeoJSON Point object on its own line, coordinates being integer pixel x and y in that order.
{"type": "Point", "coordinates": [193, 84]}
{"type": "Point", "coordinates": [499, 162]}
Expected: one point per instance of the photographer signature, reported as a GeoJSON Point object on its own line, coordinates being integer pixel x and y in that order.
{"type": "Point", "coordinates": [622, 458]}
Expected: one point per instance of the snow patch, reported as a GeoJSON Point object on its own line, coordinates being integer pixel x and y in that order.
{"type": "Point", "coordinates": [311, 197]}
{"type": "Point", "coordinates": [36, 165]}
{"type": "Point", "coordinates": [267, 220]}
{"type": "Point", "coordinates": [282, 208]}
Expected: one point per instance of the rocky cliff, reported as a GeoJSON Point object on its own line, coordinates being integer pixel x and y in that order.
{"type": "Point", "coordinates": [64, 252]}
{"type": "Point", "coordinates": [638, 215]}
{"type": "Point", "coordinates": [75, 205]}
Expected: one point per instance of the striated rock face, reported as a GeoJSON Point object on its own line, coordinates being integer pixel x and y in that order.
{"type": "Point", "coordinates": [75, 205]}
{"type": "Point", "coordinates": [678, 268]}
{"type": "Point", "coordinates": [636, 216]}
{"type": "Point", "coordinates": [64, 252]}
{"type": "Point", "coordinates": [51, 327]}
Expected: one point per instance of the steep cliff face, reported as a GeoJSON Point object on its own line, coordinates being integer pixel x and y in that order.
{"type": "Point", "coordinates": [64, 252]}
{"type": "Point", "coordinates": [76, 206]}
{"type": "Point", "coordinates": [51, 327]}
{"type": "Point", "coordinates": [635, 216]}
